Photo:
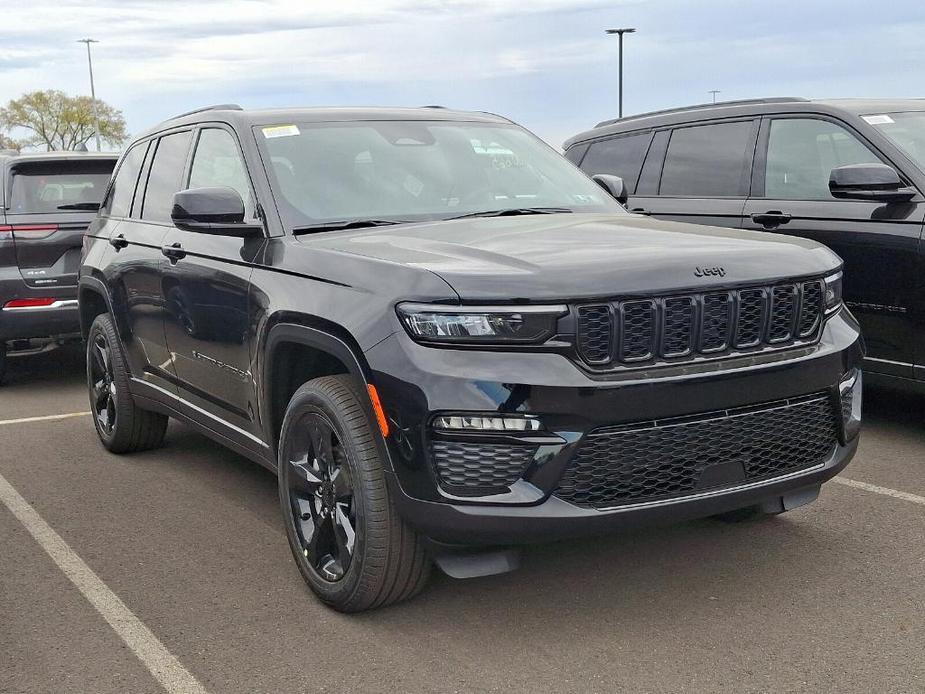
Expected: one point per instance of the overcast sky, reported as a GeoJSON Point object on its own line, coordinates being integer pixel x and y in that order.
{"type": "Point", "coordinates": [544, 63]}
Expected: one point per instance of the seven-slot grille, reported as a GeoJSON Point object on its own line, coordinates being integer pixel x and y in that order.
{"type": "Point", "coordinates": [649, 461]}
{"type": "Point", "coordinates": [709, 323]}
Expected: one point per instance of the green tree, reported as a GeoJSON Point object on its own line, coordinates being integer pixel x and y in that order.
{"type": "Point", "coordinates": [54, 120]}
{"type": "Point", "coordinates": [8, 142]}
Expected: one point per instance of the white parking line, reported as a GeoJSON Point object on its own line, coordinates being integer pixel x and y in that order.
{"type": "Point", "coordinates": [160, 662]}
{"type": "Point", "coordinates": [46, 418]}
{"type": "Point", "coordinates": [885, 491]}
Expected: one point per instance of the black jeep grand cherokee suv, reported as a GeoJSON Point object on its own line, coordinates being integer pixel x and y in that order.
{"type": "Point", "coordinates": [443, 337]}
{"type": "Point", "coordinates": [47, 200]}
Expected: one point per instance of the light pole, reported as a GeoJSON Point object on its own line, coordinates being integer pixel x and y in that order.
{"type": "Point", "coordinates": [96, 117]}
{"type": "Point", "coordinates": [714, 92]}
{"type": "Point", "coordinates": [620, 32]}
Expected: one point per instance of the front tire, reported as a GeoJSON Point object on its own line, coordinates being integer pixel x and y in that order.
{"type": "Point", "coordinates": [350, 544]}
{"type": "Point", "coordinates": [122, 426]}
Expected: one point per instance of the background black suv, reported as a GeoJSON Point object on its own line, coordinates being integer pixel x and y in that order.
{"type": "Point", "coordinates": [768, 164]}
{"type": "Point", "coordinates": [440, 335]}
{"type": "Point", "coordinates": [47, 200]}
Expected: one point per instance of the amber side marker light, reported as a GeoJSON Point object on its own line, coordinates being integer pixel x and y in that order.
{"type": "Point", "coordinates": [377, 408]}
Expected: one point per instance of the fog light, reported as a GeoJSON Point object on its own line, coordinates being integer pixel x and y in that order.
{"type": "Point", "coordinates": [507, 423]}
{"type": "Point", "coordinates": [850, 394]}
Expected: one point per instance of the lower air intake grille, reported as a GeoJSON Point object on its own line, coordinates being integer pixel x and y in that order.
{"type": "Point", "coordinates": [476, 469]}
{"type": "Point", "coordinates": [660, 460]}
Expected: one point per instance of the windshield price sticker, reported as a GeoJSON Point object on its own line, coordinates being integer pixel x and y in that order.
{"type": "Point", "coordinates": [280, 131]}
{"type": "Point", "coordinates": [881, 119]}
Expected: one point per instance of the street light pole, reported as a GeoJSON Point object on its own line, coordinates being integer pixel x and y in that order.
{"type": "Point", "coordinates": [714, 92]}
{"type": "Point", "coordinates": [620, 32]}
{"type": "Point", "coordinates": [96, 117]}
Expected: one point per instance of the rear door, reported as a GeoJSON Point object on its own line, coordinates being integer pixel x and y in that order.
{"type": "Point", "coordinates": [136, 273]}
{"type": "Point", "coordinates": [878, 242]}
{"type": "Point", "coordinates": [698, 173]}
{"type": "Point", "coordinates": [50, 205]}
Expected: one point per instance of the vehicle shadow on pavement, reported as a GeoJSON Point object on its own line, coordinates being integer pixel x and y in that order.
{"type": "Point", "coordinates": [62, 366]}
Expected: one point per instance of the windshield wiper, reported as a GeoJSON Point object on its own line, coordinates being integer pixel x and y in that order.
{"type": "Point", "coordinates": [514, 212]}
{"type": "Point", "coordinates": [80, 206]}
{"type": "Point", "coordinates": [345, 224]}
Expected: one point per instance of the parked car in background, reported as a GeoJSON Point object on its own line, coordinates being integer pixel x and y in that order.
{"type": "Point", "coordinates": [846, 172]}
{"type": "Point", "coordinates": [445, 339]}
{"type": "Point", "coordinates": [46, 203]}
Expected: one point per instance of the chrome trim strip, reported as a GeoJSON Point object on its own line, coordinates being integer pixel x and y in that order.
{"type": "Point", "coordinates": [61, 303]}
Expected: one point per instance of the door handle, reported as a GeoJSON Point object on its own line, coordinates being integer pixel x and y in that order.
{"type": "Point", "coordinates": [174, 252]}
{"type": "Point", "coordinates": [640, 210]}
{"type": "Point", "coordinates": [772, 218]}
{"type": "Point", "coordinates": [118, 242]}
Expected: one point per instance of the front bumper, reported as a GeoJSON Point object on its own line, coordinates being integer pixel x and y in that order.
{"type": "Point", "coordinates": [415, 382]}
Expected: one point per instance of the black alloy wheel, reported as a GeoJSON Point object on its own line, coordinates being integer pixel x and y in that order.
{"type": "Point", "coordinates": [103, 395]}
{"type": "Point", "coordinates": [321, 496]}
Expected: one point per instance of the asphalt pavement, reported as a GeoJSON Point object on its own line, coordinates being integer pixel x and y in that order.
{"type": "Point", "coordinates": [188, 539]}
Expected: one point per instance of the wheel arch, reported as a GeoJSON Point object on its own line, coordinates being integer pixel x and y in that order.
{"type": "Point", "coordinates": [297, 353]}
{"type": "Point", "coordinates": [93, 300]}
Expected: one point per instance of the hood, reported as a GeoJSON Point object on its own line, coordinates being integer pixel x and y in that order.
{"type": "Point", "coordinates": [577, 256]}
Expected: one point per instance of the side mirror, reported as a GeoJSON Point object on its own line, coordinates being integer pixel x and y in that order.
{"type": "Point", "coordinates": [875, 182]}
{"type": "Point", "coordinates": [613, 185]}
{"type": "Point", "coordinates": [218, 211]}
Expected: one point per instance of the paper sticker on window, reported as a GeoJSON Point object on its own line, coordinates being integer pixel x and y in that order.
{"type": "Point", "coordinates": [280, 131]}
{"type": "Point", "coordinates": [881, 119]}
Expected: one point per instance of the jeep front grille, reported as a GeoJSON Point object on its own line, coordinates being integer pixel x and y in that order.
{"type": "Point", "coordinates": [655, 460]}
{"type": "Point", "coordinates": [675, 328]}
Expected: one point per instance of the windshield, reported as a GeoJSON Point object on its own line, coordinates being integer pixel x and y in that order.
{"type": "Point", "coordinates": [418, 170]}
{"type": "Point", "coordinates": [905, 129]}
{"type": "Point", "coordinates": [58, 186]}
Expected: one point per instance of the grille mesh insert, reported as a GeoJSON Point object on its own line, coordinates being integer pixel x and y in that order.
{"type": "Point", "coordinates": [653, 461]}
{"type": "Point", "coordinates": [595, 330]}
{"type": "Point", "coordinates": [467, 468]}
{"type": "Point", "coordinates": [677, 327]}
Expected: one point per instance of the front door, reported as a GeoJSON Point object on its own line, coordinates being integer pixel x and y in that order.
{"type": "Point", "coordinates": [877, 241]}
{"type": "Point", "coordinates": [206, 286]}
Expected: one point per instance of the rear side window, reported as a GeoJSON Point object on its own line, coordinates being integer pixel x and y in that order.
{"type": "Point", "coordinates": [165, 176]}
{"type": "Point", "coordinates": [802, 153]}
{"type": "Point", "coordinates": [123, 186]}
{"type": "Point", "coordinates": [621, 156]}
{"type": "Point", "coordinates": [59, 186]}
{"type": "Point", "coordinates": [707, 161]}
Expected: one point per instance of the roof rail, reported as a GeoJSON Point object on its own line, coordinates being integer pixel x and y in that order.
{"type": "Point", "coordinates": [696, 107]}
{"type": "Point", "coordinates": [216, 107]}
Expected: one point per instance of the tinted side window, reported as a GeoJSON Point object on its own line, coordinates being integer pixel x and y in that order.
{"type": "Point", "coordinates": [621, 156]}
{"type": "Point", "coordinates": [707, 161]}
{"type": "Point", "coordinates": [165, 176]}
{"type": "Point", "coordinates": [802, 153]}
{"type": "Point", "coordinates": [217, 162]}
{"type": "Point", "coordinates": [575, 153]}
{"type": "Point", "coordinates": [123, 185]}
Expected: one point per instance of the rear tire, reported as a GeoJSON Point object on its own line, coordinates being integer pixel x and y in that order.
{"type": "Point", "coordinates": [351, 546]}
{"type": "Point", "coordinates": [122, 426]}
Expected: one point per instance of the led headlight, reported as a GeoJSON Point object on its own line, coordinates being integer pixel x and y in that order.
{"type": "Point", "coordinates": [833, 285]}
{"type": "Point", "coordinates": [480, 324]}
